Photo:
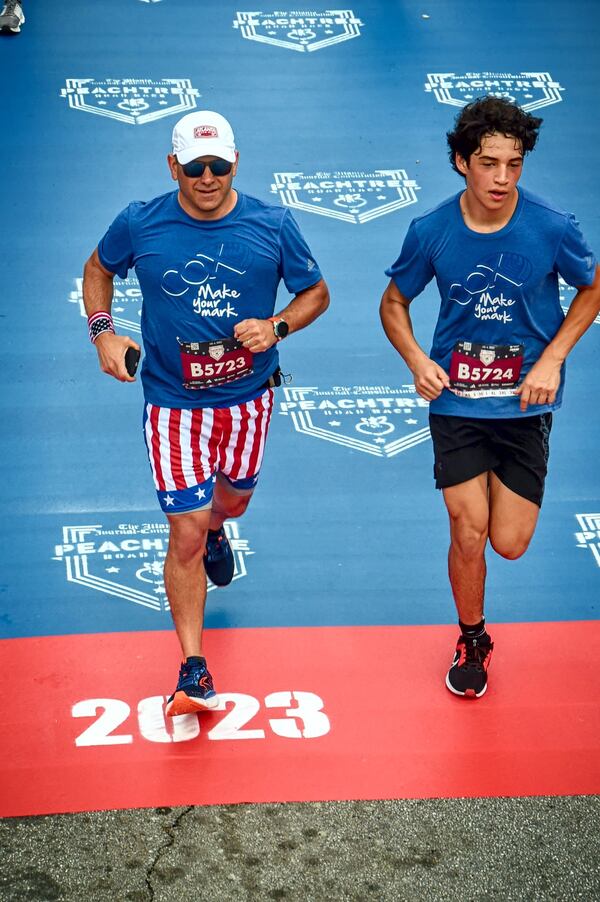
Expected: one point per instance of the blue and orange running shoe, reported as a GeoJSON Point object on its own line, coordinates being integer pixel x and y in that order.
{"type": "Point", "coordinates": [195, 691]}
{"type": "Point", "coordinates": [218, 558]}
{"type": "Point", "coordinates": [468, 671]}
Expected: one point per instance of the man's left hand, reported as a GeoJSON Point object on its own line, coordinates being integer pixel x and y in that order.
{"type": "Point", "coordinates": [255, 334]}
{"type": "Point", "coordinates": [540, 384]}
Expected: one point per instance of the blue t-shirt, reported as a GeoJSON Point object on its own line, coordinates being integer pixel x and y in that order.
{"type": "Point", "coordinates": [199, 278]}
{"type": "Point", "coordinates": [497, 289]}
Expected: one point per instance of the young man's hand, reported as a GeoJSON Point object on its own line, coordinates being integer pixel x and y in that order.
{"type": "Point", "coordinates": [541, 383]}
{"type": "Point", "coordinates": [430, 379]}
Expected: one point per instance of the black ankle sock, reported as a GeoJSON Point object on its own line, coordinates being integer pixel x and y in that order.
{"type": "Point", "coordinates": [194, 659]}
{"type": "Point", "coordinates": [473, 631]}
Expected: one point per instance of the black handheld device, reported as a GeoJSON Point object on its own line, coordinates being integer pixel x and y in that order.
{"type": "Point", "coordinates": [132, 358]}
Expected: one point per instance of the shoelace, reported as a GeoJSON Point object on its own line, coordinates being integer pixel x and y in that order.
{"type": "Point", "coordinates": [195, 675]}
{"type": "Point", "coordinates": [475, 654]}
{"type": "Point", "coordinates": [9, 7]}
{"type": "Point", "coordinates": [215, 548]}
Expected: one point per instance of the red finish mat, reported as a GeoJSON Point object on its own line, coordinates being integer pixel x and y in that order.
{"type": "Point", "coordinates": [309, 714]}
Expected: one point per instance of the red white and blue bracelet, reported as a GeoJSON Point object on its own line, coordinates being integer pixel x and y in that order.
{"type": "Point", "coordinates": [98, 323]}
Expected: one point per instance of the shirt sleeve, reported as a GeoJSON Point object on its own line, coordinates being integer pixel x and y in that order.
{"type": "Point", "coordinates": [299, 270]}
{"type": "Point", "coordinates": [115, 249]}
{"type": "Point", "coordinates": [412, 271]}
{"type": "Point", "coordinates": [575, 261]}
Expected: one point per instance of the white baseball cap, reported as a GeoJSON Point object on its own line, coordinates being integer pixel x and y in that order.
{"type": "Point", "coordinates": [203, 134]}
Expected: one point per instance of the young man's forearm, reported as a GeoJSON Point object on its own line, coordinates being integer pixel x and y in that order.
{"type": "Point", "coordinates": [581, 314]}
{"type": "Point", "coordinates": [397, 325]}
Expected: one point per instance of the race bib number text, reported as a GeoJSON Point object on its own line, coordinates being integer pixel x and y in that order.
{"type": "Point", "coordinates": [209, 363]}
{"type": "Point", "coordinates": [484, 371]}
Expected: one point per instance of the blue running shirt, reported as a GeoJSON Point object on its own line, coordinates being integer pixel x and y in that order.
{"type": "Point", "coordinates": [199, 278]}
{"type": "Point", "coordinates": [497, 289]}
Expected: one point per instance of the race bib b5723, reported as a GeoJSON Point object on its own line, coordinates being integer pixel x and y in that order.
{"type": "Point", "coordinates": [208, 363]}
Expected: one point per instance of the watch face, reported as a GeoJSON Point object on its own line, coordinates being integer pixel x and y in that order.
{"type": "Point", "coordinates": [281, 328]}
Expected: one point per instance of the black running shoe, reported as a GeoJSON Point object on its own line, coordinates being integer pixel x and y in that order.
{"type": "Point", "coordinates": [218, 558]}
{"type": "Point", "coordinates": [468, 671]}
{"type": "Point", "coordinates": [11, 17]}
{"type": "Point", "coordinates": [195, 690]}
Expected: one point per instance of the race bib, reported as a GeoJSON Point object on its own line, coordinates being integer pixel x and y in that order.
{"type": "Point", "coordinates": [485, 371]}
{"type": "Point", "coordinates": [208, 363]}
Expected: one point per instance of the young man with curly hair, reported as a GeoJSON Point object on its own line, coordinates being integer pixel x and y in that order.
{"type": "Point", "coordinates": [495, 372]}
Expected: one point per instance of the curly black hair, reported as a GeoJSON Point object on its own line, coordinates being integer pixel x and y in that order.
{"type": "Point", "coordinates": [488, 115]}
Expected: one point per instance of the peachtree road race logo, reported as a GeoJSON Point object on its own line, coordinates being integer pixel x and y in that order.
{"type": "Point", "coordinates": [531, 90]}
{"type": "Point", "coordinates": [566, 294]}
{"type": "Point", "coordinates": [589, 534]}
{"type": "Point", "coordinates": [378, 420]}
{"type": "Point", "coordinates": [132, 100]}
{"type": "Point", "coordinates": [303, 30]}
{"type": "Point", "coordinates": [350, 196]}
{"type": "Point", "coordinates": [127, 303]}
{"type": "Point", "coordinates": [126, 560]}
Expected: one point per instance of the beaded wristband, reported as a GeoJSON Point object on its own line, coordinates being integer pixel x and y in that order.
{"type": "Point", "coordinates": [98, 323]}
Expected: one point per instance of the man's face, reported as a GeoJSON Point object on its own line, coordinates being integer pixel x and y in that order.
{"type": "Point", "coordinates": [493, 171]}
{"type": "Point", "coordinates": [205, 196]}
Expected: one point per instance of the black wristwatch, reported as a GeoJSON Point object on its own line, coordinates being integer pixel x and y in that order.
{"type": "Point", "coordinates": [280, 327]}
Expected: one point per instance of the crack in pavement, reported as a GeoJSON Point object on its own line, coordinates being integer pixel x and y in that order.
{"type": "Point", "coordinates": [170, 830]}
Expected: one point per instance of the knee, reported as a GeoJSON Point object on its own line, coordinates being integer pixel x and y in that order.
{"type": "Point", "coordinates": [468, 537]}
{"type": "Point", "coordinates": [233, 505]}
{"type": "Point", "coordinates": [187, 541]}
{"type": "Point", "coordinates": [508, 545]}
{"type": "Point", "coordinates": [238, 505]}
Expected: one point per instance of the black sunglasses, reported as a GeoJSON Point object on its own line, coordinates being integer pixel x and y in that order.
{"type": "Point", "coordinates": [196, 168]}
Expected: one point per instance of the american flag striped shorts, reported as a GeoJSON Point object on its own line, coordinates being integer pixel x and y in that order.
{"type": "Point", "coordinates": [187, 448]}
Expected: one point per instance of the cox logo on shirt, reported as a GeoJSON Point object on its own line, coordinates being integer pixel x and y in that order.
{"type": "Point", "coordinates": [212, 280]}
{"type": "Point", "coordinates": [489, 287]}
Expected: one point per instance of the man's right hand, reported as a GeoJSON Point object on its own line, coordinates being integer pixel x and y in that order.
{"type": "Point", "coordinates": [111, 350]}
{"type": "Point", "coordinates": [430, 379]}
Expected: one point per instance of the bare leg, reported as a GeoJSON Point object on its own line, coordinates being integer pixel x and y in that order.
{"type": "Point", "coordinates": [184, 574]}
{"type": "Point", "coordinates": [468, 510]}
{"type": "Point", "coordinates": [226, 504]}
{"type": "Point", "coordinates": [512, 520]}
{"type": "Point", "coordinates": [185, 579]}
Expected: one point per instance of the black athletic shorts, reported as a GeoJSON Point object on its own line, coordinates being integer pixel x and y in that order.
{"type": "Point", "coordinates": [515, 449]}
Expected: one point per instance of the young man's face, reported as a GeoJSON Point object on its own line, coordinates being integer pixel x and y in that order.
{"type": "Point", "coordinates": [493, 171]}
{"type": "Point", "coordinates": [205, 196]}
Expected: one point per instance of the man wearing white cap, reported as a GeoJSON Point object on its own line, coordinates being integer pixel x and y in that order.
{"type": "Point", "coordinates": [209, 260]}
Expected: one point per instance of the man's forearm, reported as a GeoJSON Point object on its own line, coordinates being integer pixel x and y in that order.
{"type": "Point", "coordinates": [306, 307]}
{"type": "Point", "coordinates": [97, 288]}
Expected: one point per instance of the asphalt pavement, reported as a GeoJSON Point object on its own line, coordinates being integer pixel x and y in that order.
{"type": "Point", "coordinates": [467, 849]}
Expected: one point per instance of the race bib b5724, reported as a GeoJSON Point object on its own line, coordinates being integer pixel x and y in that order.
{"type": "Point", "coordinates": [485, 371]}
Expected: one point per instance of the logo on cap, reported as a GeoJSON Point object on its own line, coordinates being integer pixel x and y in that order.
{"type": "Point", "coordinates": [206, 131]}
